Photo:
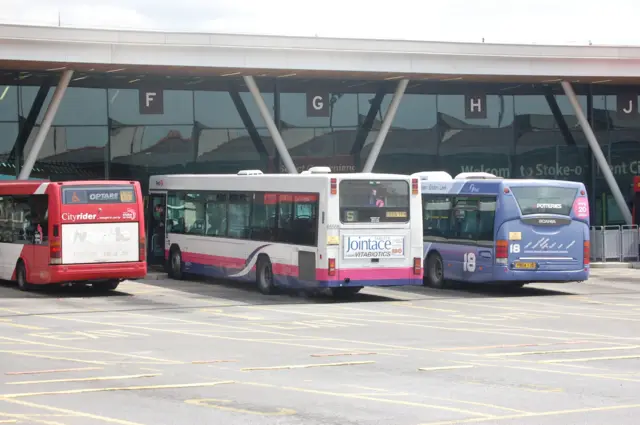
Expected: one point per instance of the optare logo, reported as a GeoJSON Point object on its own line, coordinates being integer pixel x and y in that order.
{"type": "Point", "coordinates": [549, 206]}
{"type": "Point", "coordinates": [159, 182]}
{"type": "Point", "coordinates": [129, 214]}
{"type": "Point", "coordinates": [76, 217]}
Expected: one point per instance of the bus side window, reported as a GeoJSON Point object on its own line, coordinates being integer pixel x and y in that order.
{"type": "Point", "coordinates": [175, 212]}
{"type": "Point", "coordinates": [305, 222]}
{"type": "Point", "coordinates": [194, 213]}
{"type": "Point", "coordinates": [464, 220]}
{"type": "Point", "coordinates": [486, 219]}
{"type": "Point", "coordinates": [263, 217]}
{"type": "Point", "coordinates": [216, 215]}
{"type": "Point", "coordinates": [239, 215]}
{"type": "Point", "coordinates": [436, 217]}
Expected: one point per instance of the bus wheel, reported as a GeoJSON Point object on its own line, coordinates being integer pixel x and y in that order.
{"type": "Point", "coordinates": [109, 285]}
{"type": "Point", "coordinates": [264, 277]}
{"type": "Point", "coordinates": [435, 271]}
{"type": "Point", "coordinates": [348, 292]}
{"type": "Point", "coordinates": [21, 277]}
{"type": "Point", "coordinates": [175, 264]}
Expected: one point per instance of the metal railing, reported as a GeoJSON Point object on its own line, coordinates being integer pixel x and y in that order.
{"type": "Point", "coordinates": [615, 243]}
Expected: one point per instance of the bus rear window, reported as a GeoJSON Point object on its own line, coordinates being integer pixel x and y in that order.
{"type": "Point", "coordinates": [544, 199]}
{"type": "Point", "coordinates": [374, 201]}
{"type": "Point", "coordinates": [98, 195]}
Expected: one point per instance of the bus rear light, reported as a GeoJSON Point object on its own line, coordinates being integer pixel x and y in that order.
{"type": "Point", "coordinates": [586, 252]}
{"type": "Point", "coordinates": [502, 251]}
{"type": "Point", "coordinates": [332, 267]}
{"type": "Point", "coordinates": [142, 246]}
{"type": "Point", "coordinates": [334, 186]}
{"type": "Point", "coordinates": [506, 190]}
{"type": "Point", "coordinates": [417, 265]}
{"type": "Point", "coordinates": [55, 252]}
{"type": "Point", "coordinates": [414, 187]}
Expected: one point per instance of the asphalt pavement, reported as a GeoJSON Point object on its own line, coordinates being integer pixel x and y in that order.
{"type": "Point", "coordinates": [160, 351]}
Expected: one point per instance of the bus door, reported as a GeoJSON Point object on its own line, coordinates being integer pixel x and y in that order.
{"type": "Point", "coordinates": [156, 214]}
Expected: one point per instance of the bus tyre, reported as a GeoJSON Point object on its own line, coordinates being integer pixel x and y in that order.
{"type": "Point", "coordinates": [264, 277]}
{"type": "Point", "coordinates": [345, 293]}
{"type": "Point", "coordinates": [435, 271]}
{"type": "Point", "coordinates": [109, 285]}
{"type": "Point", "coordinates": [175, 264]}
{"type": "Point", "coordinates": [21, 277]}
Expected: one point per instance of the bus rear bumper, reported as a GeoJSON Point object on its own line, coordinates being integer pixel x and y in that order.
{"type": "Point", "coordinates": [502, 275]}
{"type": "Point", "coordinates": [417, 281]}
{"type": "Point", "coordinates": [95, 272]}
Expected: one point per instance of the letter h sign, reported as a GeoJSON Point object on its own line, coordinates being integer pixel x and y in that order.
{"type": "Point", "coordinates": [475, 106]}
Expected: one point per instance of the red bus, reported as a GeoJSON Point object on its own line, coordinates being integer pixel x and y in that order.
{"type": "Point", "coordinates": [71, 232]}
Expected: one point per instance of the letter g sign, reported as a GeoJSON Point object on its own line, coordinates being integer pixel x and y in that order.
{"type": "Point", "coordinates": [317, 104]}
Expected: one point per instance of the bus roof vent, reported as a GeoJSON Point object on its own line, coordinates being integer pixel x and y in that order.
{"type": "Point", "coordinates": [476, 175]}
{"type": "Point", "coordinates": [432, 175]}
{"type": "Point", "coordinates": [319, 170]}
{"type": "Point", "coordinates": [249, 173]}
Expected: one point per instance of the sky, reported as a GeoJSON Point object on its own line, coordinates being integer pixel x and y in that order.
{"type": "Point", "coordinates": [499, 21]}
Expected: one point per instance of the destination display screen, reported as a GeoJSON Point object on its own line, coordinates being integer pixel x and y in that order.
{"type": "Point", "coordinates": [98, 195]}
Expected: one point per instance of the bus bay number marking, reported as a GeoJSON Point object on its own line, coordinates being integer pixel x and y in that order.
{"type": "Point", "coordinates": [469, 262]}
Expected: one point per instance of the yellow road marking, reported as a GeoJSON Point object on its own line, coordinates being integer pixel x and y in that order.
{"type": "Point", "coordinates": [360, 387]}
{"type": "Point", "coordinates": [219, 312]}
{"type": "Point", "coordinates": [9, 322]}
{"type": "Point", "coordinates": [207, 402]}
{"type": "Point", "coordinates": [12, 311]}
{"type": "Point", "coordinates": [409, 305]}
{"type": "Point", "coordinates": [487, 347]}
{"type": "Point", "coordinates": [96, 378]}
{"type": "Point", "coordinates": [369, 398]}
{"type": "Point", "coordinates": [535, 415]}
{"type": "Point", "coordinates": [305, 366]}
{"type": "Point", "coordinates": [343, 354]}
{"type": "Point", "coordinates": [95, 390]}
{"type": "Point", "coordinates": [72, 412]}
{"type": "Point", "coordinates": [42, 356]}
{"type": "Point", "coordinates": [570, 350]}
{"type": "Point", "coordinates": [589, 359]}
{"type": "Point", "coordinates": [559, 372]}
{"type": "Point", "coordinates": [545, 312]}
{"type": "Point", "coordinates": [88, 350]}
{"type": "Point", "coordinates": [429, 369]}
{"type": "Point", "coordinates": [36, 372]}
{"type": "Point", "coordinates": [212, 361]}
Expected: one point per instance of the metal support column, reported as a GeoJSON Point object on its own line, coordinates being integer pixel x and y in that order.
{"type": "Point", "coordinates": [27, 125]}
{"type": "Point", "coordinates": [384, 127]}
{"type": "Point", "coordinates": [271, 125]}
{"type": "Point", "coordinates": [49, 116]}
{"type": "Point", "coordinates": [597, 152]}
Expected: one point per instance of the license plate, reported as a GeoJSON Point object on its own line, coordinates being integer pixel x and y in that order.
{"type": "Point", "coordinates": [527, 266]}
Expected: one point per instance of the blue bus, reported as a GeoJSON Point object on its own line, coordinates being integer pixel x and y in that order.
{"type": "Point", "coordinates": [479, 228]}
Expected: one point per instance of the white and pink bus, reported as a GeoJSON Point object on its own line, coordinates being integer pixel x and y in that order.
{"type": "Point", "coordinates": [312, 230]}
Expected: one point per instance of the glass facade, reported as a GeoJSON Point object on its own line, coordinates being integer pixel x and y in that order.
{"type": "Point", "coordinates": [101, 131]}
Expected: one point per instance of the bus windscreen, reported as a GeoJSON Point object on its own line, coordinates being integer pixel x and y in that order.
{"type": "Point", "coordinates": [544, 199]}
{"type": "Point", "coordinates": [77, 195]}
{"type": "Point", "coordinates": [374, 201]}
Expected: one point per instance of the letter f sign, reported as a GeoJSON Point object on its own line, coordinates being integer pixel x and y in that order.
{"type": "Point", "coordinates": [149, 98]}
